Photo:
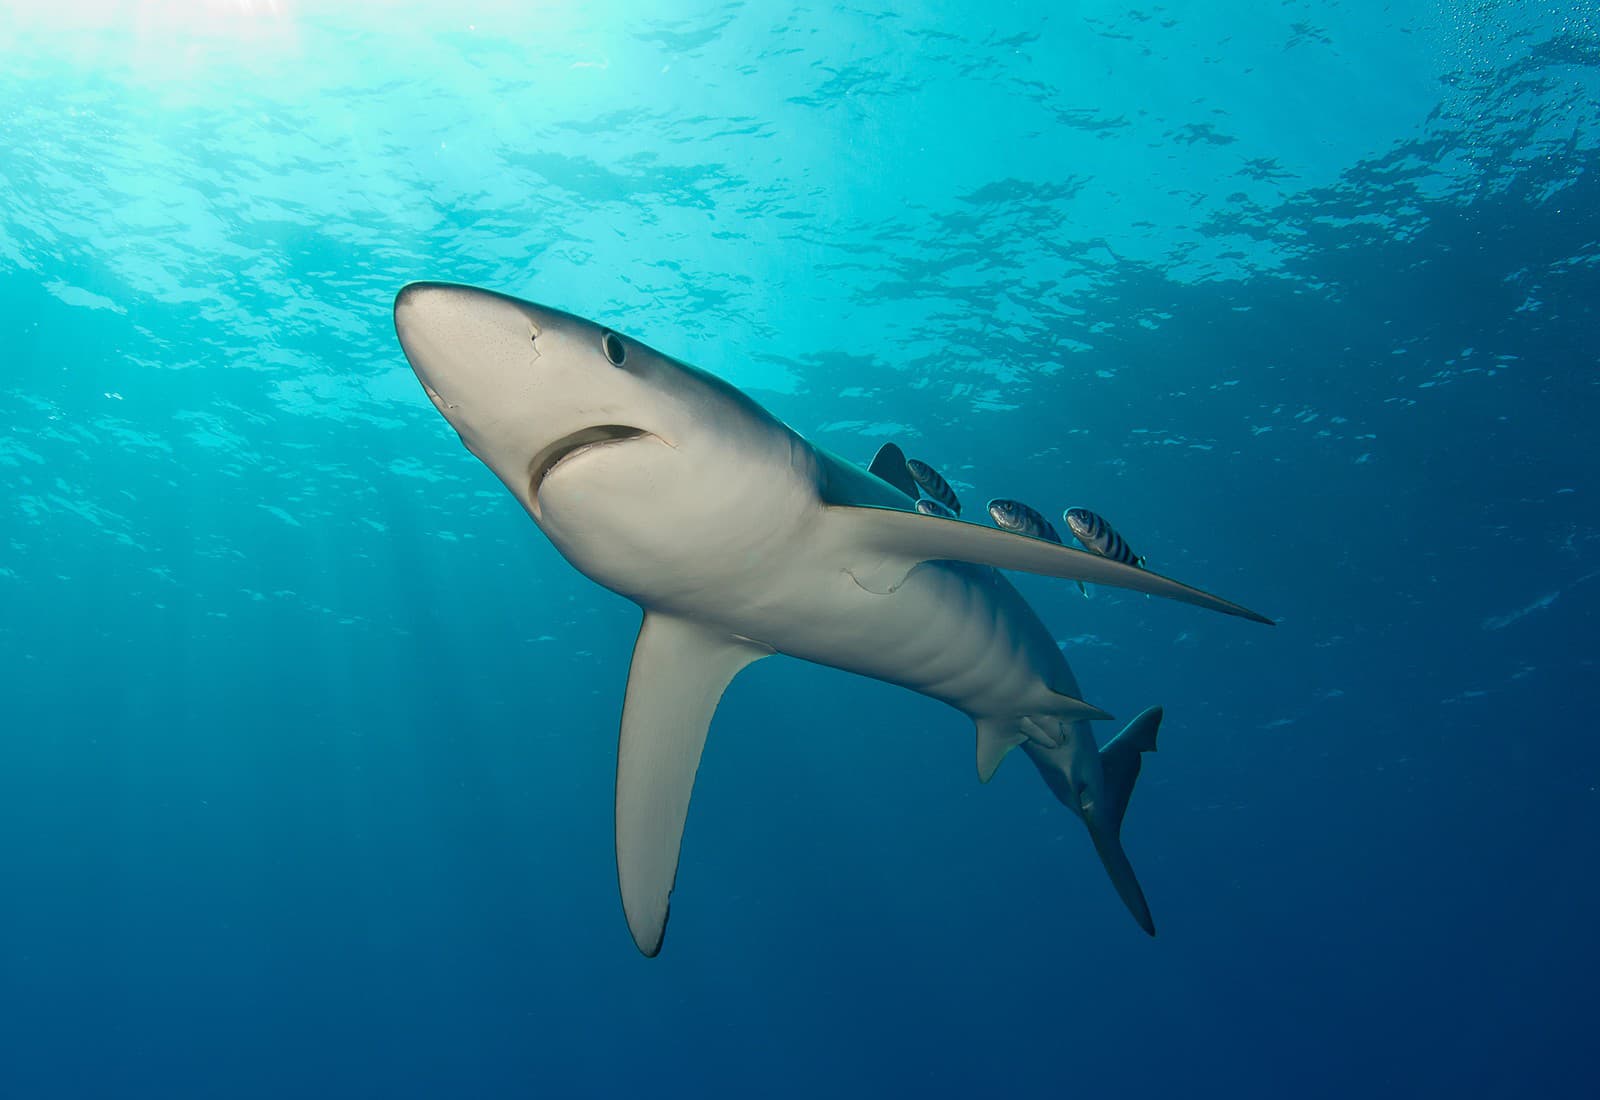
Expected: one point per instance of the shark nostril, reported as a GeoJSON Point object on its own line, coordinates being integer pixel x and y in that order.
{"type": "Point", "coordinates": [438, 402]}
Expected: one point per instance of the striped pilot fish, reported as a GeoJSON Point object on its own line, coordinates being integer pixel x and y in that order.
{"type": "Point", "coordinates": [1099, 537]}
{"type": "Point", "coordinates": [1013, 515]}
{"type": "Point", "coordinates": [929, 481]}
{"type": "Point", "coordinates": [934, 508]}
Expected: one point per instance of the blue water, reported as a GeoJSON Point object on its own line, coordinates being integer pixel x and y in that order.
{"type": "Point", "coordinates": [308, 735]}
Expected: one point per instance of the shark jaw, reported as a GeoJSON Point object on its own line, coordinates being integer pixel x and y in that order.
{"type": "Point", "coordinates": [571, 447]}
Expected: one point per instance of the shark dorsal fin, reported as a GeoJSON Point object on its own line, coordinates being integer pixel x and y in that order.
{"type": "Point", "coordinates": [890, 465]}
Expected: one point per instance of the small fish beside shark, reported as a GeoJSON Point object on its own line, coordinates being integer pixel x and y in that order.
{"type": "Point", "coordinates": [1091, 530]}
{"type": "Point", "coordinates": [1013, 515]}
{"type": "Point", "coordinates": [740, 539]}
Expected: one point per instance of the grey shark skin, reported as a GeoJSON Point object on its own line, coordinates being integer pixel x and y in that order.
{"type": "Point", "coordinates": [740, 539]}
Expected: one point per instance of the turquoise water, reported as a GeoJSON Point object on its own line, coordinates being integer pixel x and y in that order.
{"type": "Point", "coordinates": [306, 763]}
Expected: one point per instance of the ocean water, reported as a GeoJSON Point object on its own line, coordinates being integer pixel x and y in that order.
{"type": "Point", "coordinates": [308, 735]}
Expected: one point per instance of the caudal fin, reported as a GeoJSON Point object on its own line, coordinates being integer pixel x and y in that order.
{"type": "Point", "coordinates": [1119, 763]}
{"type": "Point", "coordinates": [1119, 760]}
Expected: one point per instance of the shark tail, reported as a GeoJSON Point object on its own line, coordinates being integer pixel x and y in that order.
{"type": "Point", "coordinates": [1119, 762]}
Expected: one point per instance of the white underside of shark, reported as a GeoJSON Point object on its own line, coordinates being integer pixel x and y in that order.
{"type": "Point", "coordinates": [739, 539]}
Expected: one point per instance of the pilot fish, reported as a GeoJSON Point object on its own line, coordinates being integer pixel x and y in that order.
{"type": "Point", "coordinates": [929, 481]}
{"type": "Point", "coordinates": [1099, 537]}
{"type": "Point", "coordinates": [1013, 515]}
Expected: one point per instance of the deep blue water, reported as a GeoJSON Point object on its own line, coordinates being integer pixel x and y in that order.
{"type": "Point", "coordinates": [308, 735]}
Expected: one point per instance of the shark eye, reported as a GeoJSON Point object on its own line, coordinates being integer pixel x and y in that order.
{"type": "Point", "coordinates": [611, 344]}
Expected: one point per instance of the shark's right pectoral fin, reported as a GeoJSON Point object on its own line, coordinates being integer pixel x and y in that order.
{"type": "Point", "coordinates": [882, 544]}
{"type": "Point", "coordinates": [677, 677]}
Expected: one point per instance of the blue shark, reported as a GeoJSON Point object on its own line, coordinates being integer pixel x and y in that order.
{"type": "Point", "coordinates": [740, 539]}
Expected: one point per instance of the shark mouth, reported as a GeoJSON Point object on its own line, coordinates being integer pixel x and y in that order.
{"type": "Point", "coordinates": [575, 444]}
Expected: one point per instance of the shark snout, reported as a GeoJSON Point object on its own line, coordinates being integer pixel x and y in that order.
{"type": "Point", "coordinates": [418, 308]}
{"type": "Point", "coordinates": [425, 315]}
{"type": "Point", "coordinates": [468, 347]}
{"type": "Point", "coordinates": [413, 303]}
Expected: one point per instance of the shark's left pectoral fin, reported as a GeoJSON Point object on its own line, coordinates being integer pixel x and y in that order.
{"type": "Point", "coordinates": [886, 541]}
{"type": "Point", "coordinates": [677, 677]}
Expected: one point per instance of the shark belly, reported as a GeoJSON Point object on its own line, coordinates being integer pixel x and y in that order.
{"type": "Point", "coordinates": [958, 633]}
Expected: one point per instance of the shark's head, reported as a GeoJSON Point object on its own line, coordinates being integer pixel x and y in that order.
{"type": "Point", "coordinates": [528, 388]}
{"type": "Point", "coordinates": [615, 449]}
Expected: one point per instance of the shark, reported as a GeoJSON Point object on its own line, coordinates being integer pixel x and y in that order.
{"type": "Point", "coordinates": [740, 539]}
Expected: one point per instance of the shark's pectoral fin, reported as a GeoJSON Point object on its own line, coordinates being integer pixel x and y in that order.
{"type": "Point", "coordinates": [678, 675]}
{"type": "Point", "coordinates": [879, 536]}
